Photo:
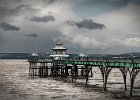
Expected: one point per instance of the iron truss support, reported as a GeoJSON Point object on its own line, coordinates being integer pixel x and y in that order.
{"type": "Point", "coordinates": [133, 73]}
{"type": "Point", "coordinates": [105, 73]}
{"type": "Point", "coordinates": [124, 73]}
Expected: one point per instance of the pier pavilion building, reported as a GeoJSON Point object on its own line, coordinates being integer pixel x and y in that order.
{"type": "Point", "coordinates": [59, 52]}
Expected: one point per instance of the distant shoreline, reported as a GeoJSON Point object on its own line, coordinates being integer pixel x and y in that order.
{"type": "Point", "coordinates": [14, 59]}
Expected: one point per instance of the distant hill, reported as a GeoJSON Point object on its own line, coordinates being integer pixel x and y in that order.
{"type": "Point", "coordinates": [14, 56]}
{"type": "Point", "coordinates": [125, 55]}
{"type": "Point", "coordinates": [46, 56]}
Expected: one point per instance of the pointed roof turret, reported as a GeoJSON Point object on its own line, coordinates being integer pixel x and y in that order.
{"type": "Point", "coordinates": [59, 46]}
{"type": "Point", "coordinates": [82, 55]}
{"type": "Point", "coordinates": [34, 54]}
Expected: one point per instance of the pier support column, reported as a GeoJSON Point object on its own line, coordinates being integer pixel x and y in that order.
{"type": "Point", "coordinates": [66, 70]}
{"type": "Point", "coordinates": [86, 73]}
{"type": "Point", "coordinates": [91, 72]}
{"type": "Point", "coordinates": [72, 72]}
{"type": "Point", "coordinates": [62, 67]}
{"type": "Point", "coordinates": [41, 68]}
{"type": "Point", "coordinates": [82, 70]}
{"type": "Point", "coordinates": [30, 69]}
{"type": "Point", "coordinates": [46, 68]}
{"type": "Point", "coordinates": [124, 73]}
{"type": "Point", "coordinates": [133, 73]}
{"type": "Point", "coordinates": [75, 71]}
{"type": "Point", "coordinates": [105, 73]}
{"type": "Point", "coordinates": [52, 69]}
{"type": "Point", "coordinates": [88, 69]}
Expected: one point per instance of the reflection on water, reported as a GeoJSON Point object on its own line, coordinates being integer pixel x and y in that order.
{"type": "Point", "coordinates": [15, 85]}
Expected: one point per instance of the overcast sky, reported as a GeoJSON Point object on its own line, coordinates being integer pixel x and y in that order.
{"type": "Point", "coordinates": [87, 26]}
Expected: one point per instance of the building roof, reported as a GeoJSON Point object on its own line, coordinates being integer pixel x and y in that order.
{"type": "Point", "coordinates": [82, 55]}
{"type": "Point", "coordinates": [34, 54]}
{"type": "Point", "coordinates": [59, 46]}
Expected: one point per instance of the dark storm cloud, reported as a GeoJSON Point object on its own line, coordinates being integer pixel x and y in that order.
{"type": "Point", "coordinates": [24, 8]}
{"type": "Point", "coordinates": [43, 19]}
{"type": "Point", "coordinates": [87, 23]}
{"type": "Point", "coordinates": [8, 27]}
{"type": "Point", "coordinates": [31, 35]}
{"type": "Point", "coordinates": [21, 9]}
{"type": "Point", "coordinates": [99, 7]}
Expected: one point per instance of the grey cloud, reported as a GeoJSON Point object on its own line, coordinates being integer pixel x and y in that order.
{"type": "Point", "coordinates": [2, 40]}
{"type": "Point", "coordinates": [32, 35]}
{"type": "Point", "coordinates": [43, 19]}
{"type": "Point", "coordinates": [7, 2]}
{"type": "Point", "coordinates": [51, 1]}
{"type": "Point", "coordinates": [113, 0]}
{"type": "Point", "coordinates": [87, 23]}
{"type": "Point", "coordinates": [24, 8]}
{"type": "Point", "coordinates": [21, 9]}
{"type": "Point", "coordinates": [43, 43]}
{"type": "Point", "coordinates": [8, 27]}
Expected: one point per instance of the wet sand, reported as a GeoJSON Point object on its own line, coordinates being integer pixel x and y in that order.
{"type": "Point", "coordinates": [16, 85]}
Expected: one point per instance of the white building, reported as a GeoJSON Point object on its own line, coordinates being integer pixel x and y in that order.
{"type": "Point", "coordinates": [34, 57]}
{"type": "Point", "coordinates": [59, 52]}
{"type": "Point", "coordinates": [82, 56]}
{"type": "Point", "coordinates": [34, 54]}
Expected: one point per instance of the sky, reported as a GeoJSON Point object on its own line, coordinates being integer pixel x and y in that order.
{"type": "Point", "coordinates": [84, 26]}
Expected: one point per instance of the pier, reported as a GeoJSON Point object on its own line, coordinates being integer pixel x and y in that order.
{"type": "Point", "coordinates": [75, 68]}
{"type": "Point", "coordinates": [61, 65]}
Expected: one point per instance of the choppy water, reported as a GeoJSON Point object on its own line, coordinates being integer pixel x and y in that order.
{"type": "Point", "coordinates": [16, 85]}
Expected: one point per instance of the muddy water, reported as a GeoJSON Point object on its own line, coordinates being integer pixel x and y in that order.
{"type": "Point", "coordinates": [16, 85]}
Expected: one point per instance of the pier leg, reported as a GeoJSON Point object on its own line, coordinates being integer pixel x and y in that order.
{"type": "Point", "coordinates": [30, 69]}
{"type": "Point", "coordinates": [66, 70]}
{"type": "Point", "coordinates": [46, 70]}
{"type": "Point", "coordinates": [91, 72]}
{"type": "Point", "coordinates": [76, 71]}
{"type": "Point", "coordinates": [102, 72]}
{"type": "Point", "coordinates": [82, 70]}
{"type": "Point", "coordinates": [56, 70]}
{"type": "Point", "coordinates": [124, 73]}
{"type": "Point", "coordinates": [35, 69]}
{"type": "Point", "coordinates": [133, 73]}
{"type": "Point", "coordinates": [86, 74]}
{"type": "Point", "coordinates": [39, 71]}
{"type": "Point", "coordinates": [105, 73]}
{"type": "Point", "coordinates": [72, 72]}
{"type": "Point", "coordinates": [52, 70]}
{"type": "Point", "coordinates": [44, 73]}
{"type": "Point", "coordinates": [33, 73]}
{"type": "Point", "coordinates": [88, 69]}
{"type": "Point", "coordinates": [62, 71]}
